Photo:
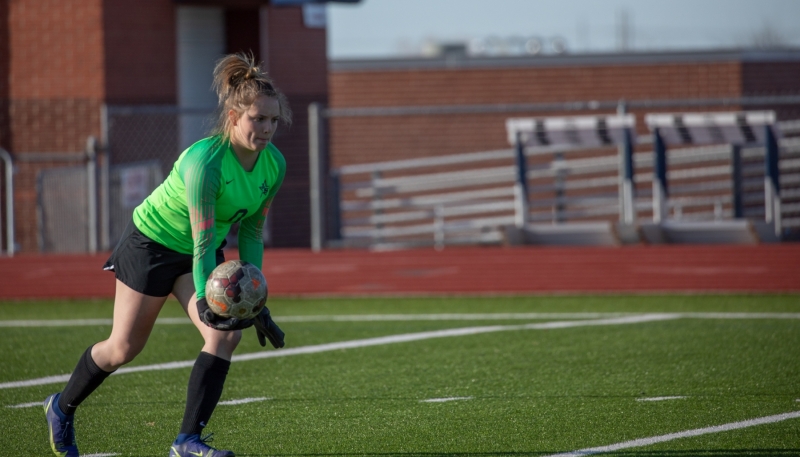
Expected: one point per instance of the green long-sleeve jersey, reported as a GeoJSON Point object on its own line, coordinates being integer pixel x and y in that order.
{"type": "Point", "coordinates": [206, 192]}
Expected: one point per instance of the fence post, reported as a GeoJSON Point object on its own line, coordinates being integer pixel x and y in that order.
{"type": "Point", "coordinates": [334, 226]}
{"type": "Point", "coordinates": [521, 186]}
{"type": "Point", "coordinates": [105, 159]}
{"type": "Point", "coordinates": [316, 182]}
{"type": "Point", "coordinates": [9, 170]}
{"type": "Point", "coordinates": [560, 184]}
{"type": "Point", "coordinates": [91, 191]}
{"type": "Point", "coordinates": [376, 210]}
{"type": "Point", "coordinates": [660, 190]}
{"type": "Point", "coordinates": [438, 227]}
{"type": "Point", "coordinates": [626, 205]}
{"type": "Point", "coordinates": [772, 187]}
{"type": "Point", "coordinates": [736, 181]}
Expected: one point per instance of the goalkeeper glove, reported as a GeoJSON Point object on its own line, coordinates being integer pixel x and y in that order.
{"type": "Point", "coordinates": [267, 329]}
{"type": "Point", "coordinates": [220, 323]}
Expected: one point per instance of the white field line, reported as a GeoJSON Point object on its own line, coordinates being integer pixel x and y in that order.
{"type": "Point", "coordinates": [80, 322]}
{"type": "Point", "coordinates": [677, 397]}
{"type": "Point", "coordinates": [409, 317]}
{"type": "Point", "coordinates": [685, 434]}
{"type": "Point", "coordinates": [367, 342]}
{"type": "Point", "coordinates": [242, 401]}
{"type": "Point", "coordinates": [99, 455]}
{"type": "Point", "coordinates": [25, 405]}
{"type": "Point", "coordinates": [741, 315]}
{"type": "Point", "coordinates": [443, 400]}
{"type": "Point", "coordinates": [333, 318]}
{"type": "Point", "coordinates": [445, 317]}
{"type": "Point", "coordinates": [520, 316]}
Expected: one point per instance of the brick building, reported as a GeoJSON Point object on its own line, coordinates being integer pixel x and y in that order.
{"type": "Point", "coordinates": [68, 64]}
{"type": "Point", "coordinates": [383, 111]}
{"type": "Point", "coordinates": [487, 82]}
{"type": "Point", "coordinates": [64, 62]}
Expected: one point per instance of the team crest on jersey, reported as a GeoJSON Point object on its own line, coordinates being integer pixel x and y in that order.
{"type": "Point", "coordinates": [264, 188]}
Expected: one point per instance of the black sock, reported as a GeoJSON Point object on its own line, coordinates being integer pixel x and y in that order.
{"type": "Point", "coordinates": [205, 389]}
{"type": "Point", "coordinates": [84, 380]}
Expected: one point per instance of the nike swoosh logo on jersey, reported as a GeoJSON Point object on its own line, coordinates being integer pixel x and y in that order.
{"type": "Point", "coordinates": [228, 182]}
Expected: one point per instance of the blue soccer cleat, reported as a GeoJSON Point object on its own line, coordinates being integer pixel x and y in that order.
{"type": "Point", "coordinates": [61, 428]}
{"type": "Point", "coordinates": [194, 446]}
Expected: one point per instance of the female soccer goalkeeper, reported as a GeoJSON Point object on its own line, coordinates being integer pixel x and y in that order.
{"type": "Point", "coordinates": [175, 241]}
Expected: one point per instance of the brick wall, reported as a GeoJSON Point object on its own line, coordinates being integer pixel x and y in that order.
{"type": "Point", "coordinates": [57, 49]}
{"type": "Point", "coordinates": [55, 88]}
{"type": "Point", "coordinates": [296, 59]}
{"type": "Point", "coordinates": [56, 56]}
{"type": "Point", "coordinates": [64, 60]}
{"type": "Point", "coordinates": [296, 56]}
{"type": "Point", "coordinates": [770, 79]}
{"type": "Point", "coordinates": [140, 52]}
{"type": "Point", "coordinates": [242, 31]}
{"type": "Point", "coordinates": [536, 84]}
{"type": "Point", "coordinates": [5, 54]}
{"type": "Point", "coordinates": [361, 139]}
{"type": "Point", "coordinates": [5, 127]}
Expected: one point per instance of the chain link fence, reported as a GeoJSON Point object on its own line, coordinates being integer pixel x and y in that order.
{"type": "Point", "coordinates": [141, 146]}
{"type": "Point", "coordinates": [85, 205]}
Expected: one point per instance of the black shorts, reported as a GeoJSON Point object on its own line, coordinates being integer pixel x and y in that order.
{"type": "Point", "coordinates": [147, 266]}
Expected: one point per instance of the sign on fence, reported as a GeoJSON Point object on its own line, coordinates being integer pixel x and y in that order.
{"type": "Point", "coordinates": [134, 182]}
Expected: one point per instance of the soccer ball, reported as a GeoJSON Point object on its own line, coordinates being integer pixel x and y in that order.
{"type": "Point", "coordinates": [236, 289]}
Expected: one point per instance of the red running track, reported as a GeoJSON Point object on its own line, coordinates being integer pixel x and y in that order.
{"type": "Point", "coordinates": [468, 270]}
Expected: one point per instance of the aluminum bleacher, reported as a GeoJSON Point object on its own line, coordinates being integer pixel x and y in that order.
{"type": "Point", "coordinates": [586, 180]}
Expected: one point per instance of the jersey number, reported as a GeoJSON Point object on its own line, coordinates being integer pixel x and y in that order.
{"type": "Point", "coordinates": [238, 216]}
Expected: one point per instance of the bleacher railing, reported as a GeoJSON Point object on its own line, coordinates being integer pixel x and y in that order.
{"type": "Point", "coordinates": [470, 199]}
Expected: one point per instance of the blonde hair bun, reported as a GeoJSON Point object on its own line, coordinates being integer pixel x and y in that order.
{"type": "Point", "coordinates": [238, 81]}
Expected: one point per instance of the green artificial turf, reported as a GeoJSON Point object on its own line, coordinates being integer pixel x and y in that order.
{"type": "Point", "coordinates": [521, 392]}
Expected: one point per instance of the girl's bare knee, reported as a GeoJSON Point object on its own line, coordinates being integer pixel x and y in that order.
{"type": "Point", "coordinates": [118, 354]}
{"type": "Point", "coordinates": [232, 339]}
{"type": "Point", "coordinates": [228, 341]}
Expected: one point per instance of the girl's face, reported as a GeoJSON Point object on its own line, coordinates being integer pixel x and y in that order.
{"type": "Point", "coordinates": [253, 130]}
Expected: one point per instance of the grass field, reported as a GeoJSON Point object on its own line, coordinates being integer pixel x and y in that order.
{"type": "Point", "coordinates": [517, 376]}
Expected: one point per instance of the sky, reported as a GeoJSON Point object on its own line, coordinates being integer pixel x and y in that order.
{"type": "Point", "coordinates": [393, 28]}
